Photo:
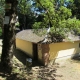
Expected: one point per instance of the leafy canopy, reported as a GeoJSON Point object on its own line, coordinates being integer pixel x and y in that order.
{"type": "Point", "coordinates": [57, 16]}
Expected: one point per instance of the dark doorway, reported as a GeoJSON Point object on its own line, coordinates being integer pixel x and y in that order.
{"type": "Point", "coordinates": [35, 52]}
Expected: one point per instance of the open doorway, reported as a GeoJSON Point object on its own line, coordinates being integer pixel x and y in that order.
{"type": "Point", "coordinates": [35, 52]}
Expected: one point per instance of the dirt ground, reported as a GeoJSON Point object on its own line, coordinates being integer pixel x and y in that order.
{"type": "Point", "coordinates": [67, 69]}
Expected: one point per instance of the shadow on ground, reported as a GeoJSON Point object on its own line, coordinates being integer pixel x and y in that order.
{"type": "Point", "coordinates": [21, 56]}
{"type": "Point", "coordinates": [6, 76]}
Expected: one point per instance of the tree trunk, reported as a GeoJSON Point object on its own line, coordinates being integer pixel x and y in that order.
{"type": "Point", "coordinates": [9, 36]}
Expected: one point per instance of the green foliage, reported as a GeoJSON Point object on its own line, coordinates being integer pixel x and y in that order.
{"type": "Point", "coordinates": [25, 13]}
{"type": "Point", "coordinates": [64, 12]}
{"type": "Point", "coordinates": [24, 6]}
{"type": "Point", "coordinates": [38, 25]}
{"type": "Point", "coordinates": [74, 24]}
{"type": "Point", "coordinates": [57, 17]}
{"type": "Point", "coordinates": [17, 24]}
{"type": "Point", "coordinates": [0, 31]}
{"type": "Point", "coordinates": [2, 11]}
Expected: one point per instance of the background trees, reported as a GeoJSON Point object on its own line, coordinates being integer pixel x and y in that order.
{"type": "Point", "coordinates": [75, 7]}
{"type": "Point", "coordinates": [26, 15]}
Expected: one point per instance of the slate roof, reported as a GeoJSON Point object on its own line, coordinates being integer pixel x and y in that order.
{"type": "Point", "coordinates": [29, 35]}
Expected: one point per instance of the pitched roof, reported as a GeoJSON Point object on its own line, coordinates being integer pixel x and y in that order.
{"type": "Point", "coordinates": [29, 35]}
{"type": "Point", "coordinates": [72, 37]}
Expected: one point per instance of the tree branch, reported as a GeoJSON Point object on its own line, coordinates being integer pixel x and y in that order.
{"type": "Point", "coordinates": [47, 11]}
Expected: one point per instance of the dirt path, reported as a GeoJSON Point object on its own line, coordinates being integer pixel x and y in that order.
{"type": "Point", "coordinates": [69, 69]}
